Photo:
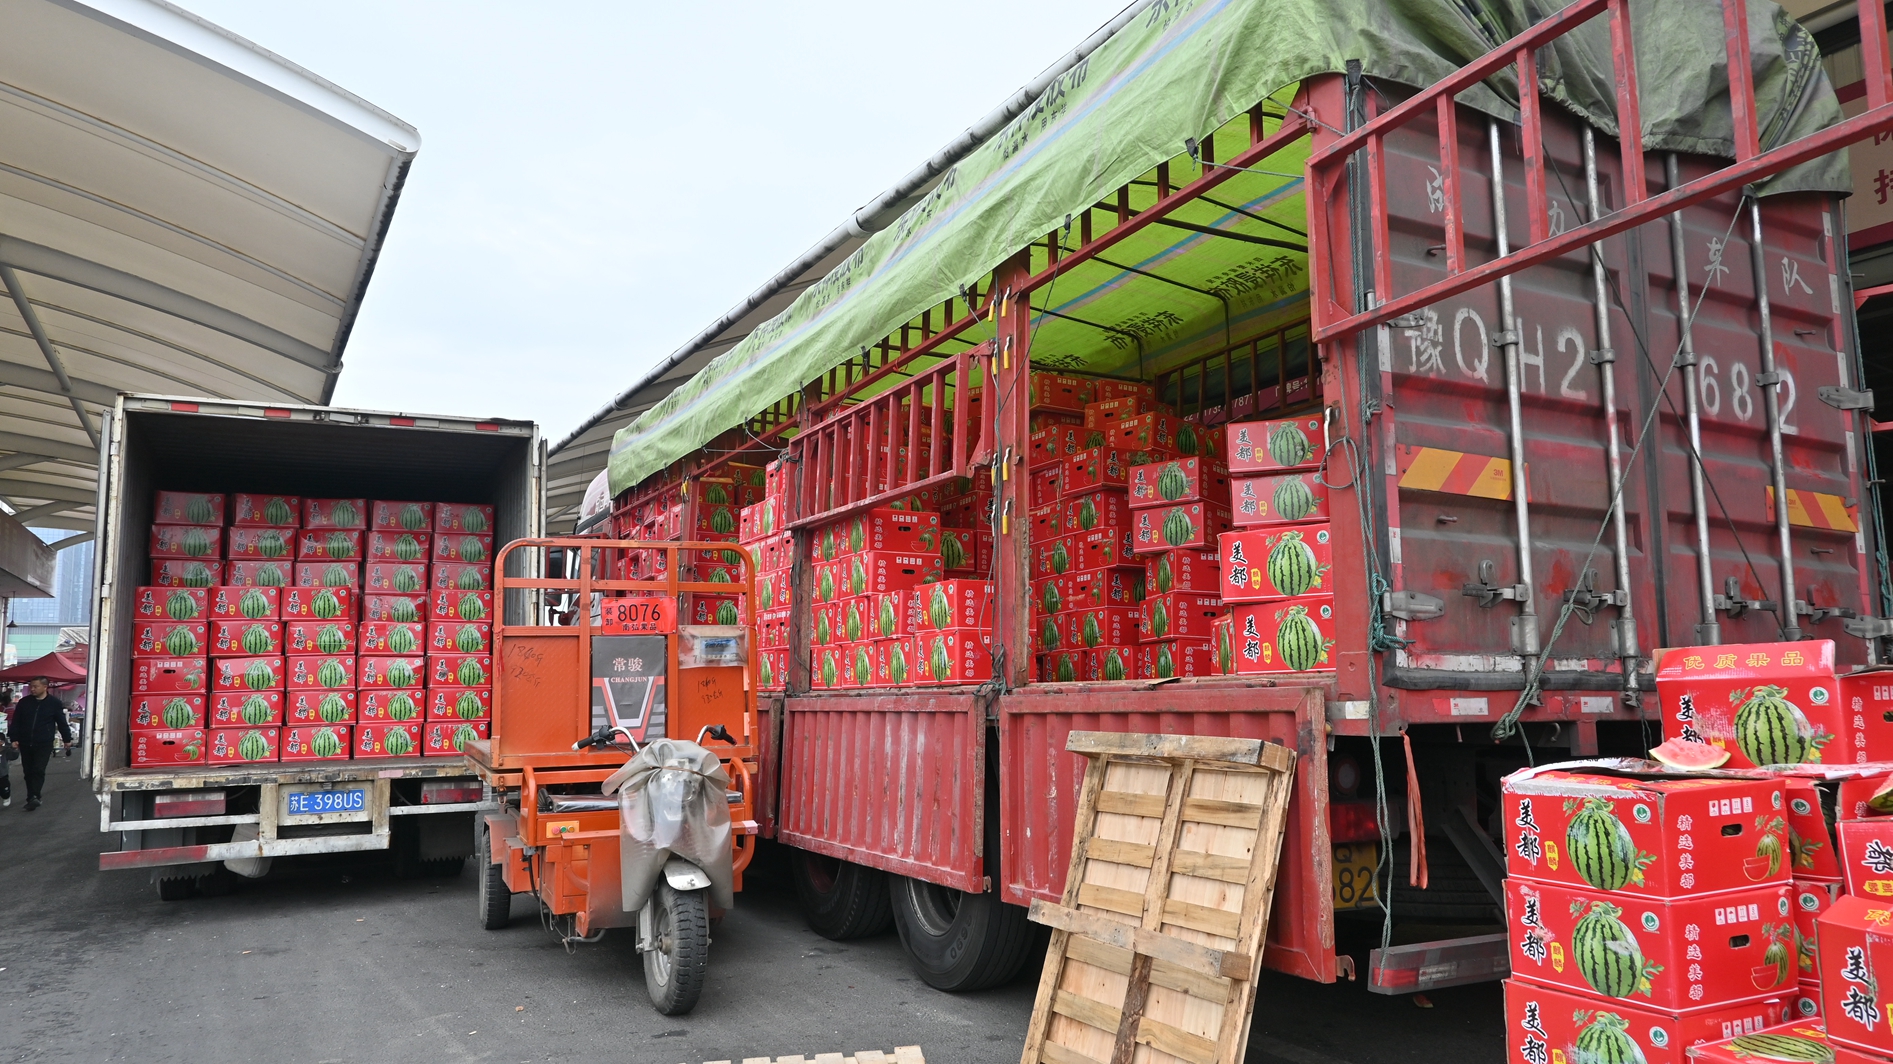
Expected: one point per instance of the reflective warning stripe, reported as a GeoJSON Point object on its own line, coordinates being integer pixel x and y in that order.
{"type": "Point", "coordinates": [1454, 472]}
{"type": "Point", "coordinates": [1813, 509]}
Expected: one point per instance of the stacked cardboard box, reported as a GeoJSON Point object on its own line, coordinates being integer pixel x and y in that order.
{"type": "Point", "coordinates": [318, 646]}
{"type": "Point", "coordinates": [885, 615]}
{"type": "Point", "coordinates": [1276, 566]}
{"type": "Point", "coordinates": [1645, 913]}
{"type": "Point", "coordinates": [772, 554]}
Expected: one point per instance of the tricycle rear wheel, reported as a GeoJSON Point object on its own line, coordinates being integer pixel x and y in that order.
{"type": "Point", "coordinates": [679, 957]}
{"type": "Point", "coordinates": [495, 898]}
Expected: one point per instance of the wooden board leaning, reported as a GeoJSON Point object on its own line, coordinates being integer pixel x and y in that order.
{"type": "Point", "coordinates": [1155, 943]}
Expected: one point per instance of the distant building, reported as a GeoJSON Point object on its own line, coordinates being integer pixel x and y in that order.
{"type": "Point", "coordinates": [33, 624]}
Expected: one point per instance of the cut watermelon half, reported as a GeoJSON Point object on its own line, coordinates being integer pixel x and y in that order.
{"type": "Point", "coordinates": [1882, 800]}
{"type": "Point", "coordinates": [1687, 755]}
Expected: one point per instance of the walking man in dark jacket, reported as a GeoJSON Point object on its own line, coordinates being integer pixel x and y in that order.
{"type": "Point", "coordinates": [35, 719]}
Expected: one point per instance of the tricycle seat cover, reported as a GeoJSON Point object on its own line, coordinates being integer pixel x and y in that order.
{"type": "Point", "coordinates": [673, 801]}
{"type": "Point", "coordinates": [577, 803]}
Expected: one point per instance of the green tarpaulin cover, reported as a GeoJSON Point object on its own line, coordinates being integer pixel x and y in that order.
{"type": "Point", "coordinates": [1184, 68]}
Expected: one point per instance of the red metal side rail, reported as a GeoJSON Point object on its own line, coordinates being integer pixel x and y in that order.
{"type": "Point", "coordinates": [871, 453]}
{"type": "Point", "coordinates": [893, 781]}
{"type": "Point", "coordinates": [1039, 791]}
{"type": "Point", "coordinates": [1328, 166]}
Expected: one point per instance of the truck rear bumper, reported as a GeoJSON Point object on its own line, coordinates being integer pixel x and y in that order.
{"type": "Point", "coordinates": [229, 851]}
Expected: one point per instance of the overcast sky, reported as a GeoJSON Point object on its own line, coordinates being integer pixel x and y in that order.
{"type": "Point", "coordinates": [599, 181]}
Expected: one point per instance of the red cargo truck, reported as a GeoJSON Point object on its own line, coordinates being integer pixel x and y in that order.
{"type": "Point", "coordinates": [1571, 401]}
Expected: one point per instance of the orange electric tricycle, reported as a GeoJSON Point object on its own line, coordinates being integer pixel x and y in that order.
{"type": "Point", "coordinates": [623, 738]}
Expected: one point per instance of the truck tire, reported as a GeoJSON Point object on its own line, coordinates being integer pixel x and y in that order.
{"type": "Point", "coordinates": [674, 971]}
{"type": "Point", "coordinates": [958, 941]}
{"type": "Point", "coordinates": [841, 899]}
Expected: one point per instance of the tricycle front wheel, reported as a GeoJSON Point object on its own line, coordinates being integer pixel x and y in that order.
{"type": "Point", "coordinates": [679, 957]}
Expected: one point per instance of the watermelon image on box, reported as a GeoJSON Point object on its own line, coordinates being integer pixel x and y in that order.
{"type": "Point", "coordinates": [316, 742]}
{"type": "Point", "coordinates": [170, 712]}
{"type": "Point", "coordinates": [312, 706]}
{"type": "Point", "coordinates": [170, 603]}
{"type": "Point", "coordinates": [238, 709]}
{"type": "Point", "coordinates": [187, 508]}
{"type": "Point", "coordinates": [441, 738]}
{"type": "Point", "coordinates": [1799, 1042]}
{"type": "Point", "coordinates": [236, 745]}
{"type": "Point", "coordinates": [1766, 703]}
{"type": "Point", "coordinates": [1583, 1028]}
{"type": "Point", "coordinates": [1294, 635]}
{"type": "Point", "coordinates": [177, 746]}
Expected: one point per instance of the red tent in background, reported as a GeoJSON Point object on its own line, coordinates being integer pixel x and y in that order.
{"type": "Point", "coordinates": [63, 668]}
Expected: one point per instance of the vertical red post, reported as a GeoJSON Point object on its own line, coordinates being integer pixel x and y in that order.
{"type": "Point", "coordinates": [1629, 112]}
{"type": "Point", "coordinates": [1008, 410]}
{"type": "Point", "coordinates": [1873, 55]}
{"type": "Point", "coordinates": [1455, 236]}
{"type": "Point", "coordinates": [1531, 147]}
{"type": "Point", "coordinates": [1741, 80]}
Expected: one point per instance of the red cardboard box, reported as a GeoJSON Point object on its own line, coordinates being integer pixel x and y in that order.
{"type": "Point", "coordinates": [1669, 954]}
{"type": "Point", "coordinates": [1789, 1041]}
{"type": "Point", "coordinates": [254, 573]}
{"type": "Point", "coordinates": [329, 574]}
{"type": "Point", "coordinates": [230, 746]}
{"type": "Point", "coordinates": [322, 671]}
{"type": "Point", "coordinates": [170, 603]}
{"type": "Point", "coordinates": [825, 620]}
{"type": "Point", "coordinates": [317, 742]}
{"type": "Point", "coordinates": [440, 738]}
{"type": "Point", "coordinates": [1652, 838]}
{"type": "Point", "coordinates": [1053, 444]}
{"type": "Point", "coordinates": [1855, 952]}
{"type": "Point", "coordinates": [1112, 663]}
{"type": "Point", "coordinates": [1193, 524]}
{"type": "Point", "coordinates": [954, 656]}
{"type": "Point", "coordinates": [459, 703]}
{"type": "Point", "coordinates": [460, 576]}
{"type": "Point", "coordinates": [1866, 855]}
{"type": "Point", "coordinates": [199, 542]}
{"type": "Point", "coordinates": [772, 589]}
{"type": "Point", "coordinates": [1107, 508]}
{"type": "Point", "coordinates": [893, 662]}
{"type": "Point", "coordinates": [401, 516]}
{"type": "Point", "coordinates": [181, 572]}
{"type": "Point", "coordinates": [1785, 689]}
{"type": "Point", "coordinates": [330, 544]}
{"type": "Point", "coordinates": [901, 531]}
{"type": "Point", "coordinates": [1268, 446]}
{"type": "Point", "coordinates": [1182, 570]}
{"type": "Point", "coordinates": [230, 602]}
{"type": "Point", "coordinates": [1179, 480]}
{"type": "Point", "coordinates": [1540, 1021]}
{"type": "Point", "coordinates": [1299, 556]}
{"type": "Point", "coordinates": [389, 546]}
{"type": "Point", "coordinates": [1107, 413]}
{"type": "Point", "coordinates": [394, 578]}
{"type": "Point", "coordinates": [318, 637]}
{"type": "Point", "coordinates": [896, 571]}
{"type": "Point", "coordinates": [966, 551]}
{"type": "Point", "coordinates": [396, 609]}
{"type": "Point", "coordinates": [1045, 484]}
{"type": "Point", "coordinates": [858, 659]}
{"type": "Point", "coordinates": [1867, 737]}
{"type": "Point", "coordinates": [280, 511]}
{"type": "Point", "coordinates": [1114, 389]}
{"type": "Point", "coordinates": [166, 712]}
{"type": "Point", "coordinates": [394, 638]}
{"type": "Point", "coordinates": [700, 608]}
{"type": "Point", "coordinates": [408, 672]}
{"type": "Point", "coordinates": [1102, 548]}
{"type": "Point", "coordinates": [446, 605]}
{"type": "Point", "coordinates": [1050, 631]}
{"type": "Point", "coordinates": [319, 707]}
{"type": "Point", "coordinates": [772, 629]}
{"type": "Point", "coordinates": [1305, 626]}
{"type": "Point", "coordinates": [829, 580]}
{"type": "Point", "coordinates": [475, 518]}
{"type": "Point", "coordinates": [387, 740]}
{"type": "Point", "coordinates": [459, 670]}
{"type": "Point", "coordinates": [464, 548]}
{"type": "Point", "coordinates": [957, 604]}
{"type": "Point", "coordinates": [772, 669]}
{"type": "Point", "coordinates": [319, 603]}
{"type": "Point", "coordinates": [1812, 897]}
{"type": "Point", "coordinates": [1285, 498]}
{"type": "Point", "coordinates": [463, 637]}
{"type": "Point", "coordinates": [1153, 430]}
{"type": "Point", "coordinates": [187, 508]}
{"type": "Point", "coordinates": [1055, 391]}
{"type": "Point", "coordinates": [335, 513]}
{"type": "Point", "coordinates": [1104, 587]}
{"type": "Point", "coordinates": [271, 544]}
{"type": "Point", "coordinates": [258, 673]}
{"type": "Point", "coordinates": [169, 639]}
{"type": "Point", "coordinates": [165, 675]}
{"type": "Point", "coordinates": [1223, 635]}
{"type": "Point", "coordinates": [1179, 615]}
{"type": "Point", "coordinates": [390, 704]}
{"type": "Point", "coordinates": [179, 746]}
{"type": "Point", "coordinates": [829, 669]}
{"type": "Point", "coordinates": [1087, 629]}
{"type": "Point", "coordinates": [1816, 792]}
{"type": "Point", "coordinates": [855, 619]}
{"type": "Point", "coordinates": [1175, 657]}
{"type": "Point", "coordinates": [245, 639]}
{"type": "Point", "coordinates": [1066, 666]}
{"type": "Point", "coordinates": [1102, 467]}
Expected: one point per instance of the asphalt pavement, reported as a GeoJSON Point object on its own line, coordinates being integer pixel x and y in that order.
{"type": "Point", "coordinates": [335, 959]}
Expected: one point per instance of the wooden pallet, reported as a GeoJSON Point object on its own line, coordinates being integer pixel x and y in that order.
{"type": "Point", "coordinates": [1154, 949]}
{"type": "Point", "coordinates": [901, 1055]}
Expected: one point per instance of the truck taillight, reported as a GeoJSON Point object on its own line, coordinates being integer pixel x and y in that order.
{"type": "Point", "coordinates": [187, 803]}
{"type": "Point", "coordinates": [450, 792]}
{"type": "Point", "coordinates": [1355, 821]}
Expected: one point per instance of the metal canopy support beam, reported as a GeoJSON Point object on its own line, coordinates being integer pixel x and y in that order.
{"type": "Point", "coordinates": [31, 317]}
{"type": "Point", "coordinates": [34, 379]}
{"type": "Point", "coordinates": [73, 541]}
{"type": "Point", "coordinates": [48, 450]}
{"type": "Point", "coordinates": [34, 489]}
{"type": "Point", "coordinates": [44, 510]}
{"type": "Point", "coordinates": [60, 266]}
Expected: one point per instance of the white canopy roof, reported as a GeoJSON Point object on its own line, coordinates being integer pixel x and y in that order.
{"type": "Point", "coordinates": [181, 212]}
